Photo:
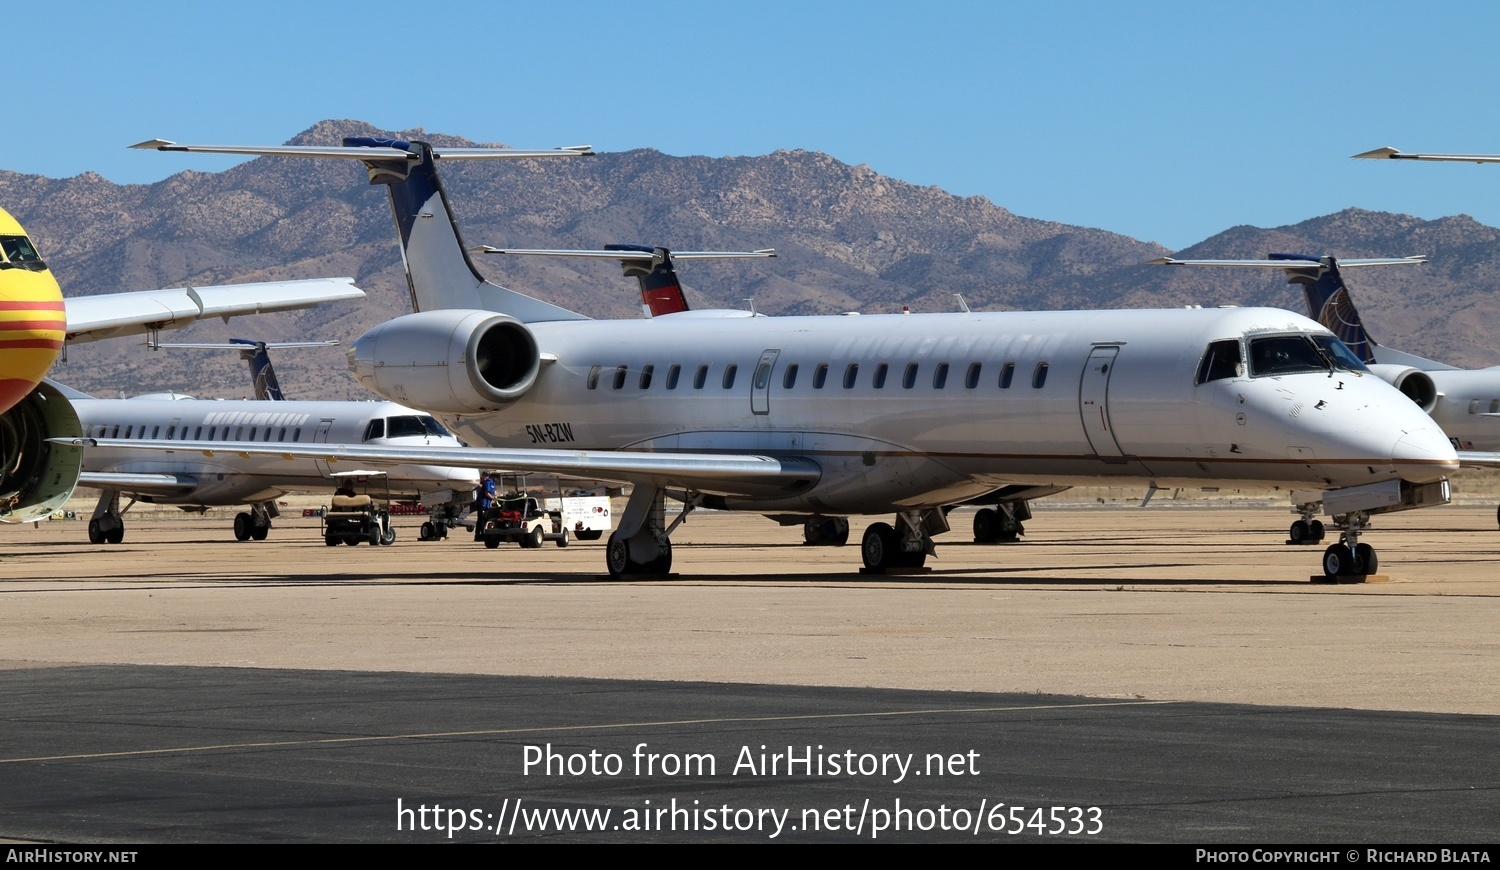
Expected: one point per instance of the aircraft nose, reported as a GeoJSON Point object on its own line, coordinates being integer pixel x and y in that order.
{"type": "Point", "coordinates": [1424, 455]}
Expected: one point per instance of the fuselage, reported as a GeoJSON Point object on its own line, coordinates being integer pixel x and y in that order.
{"type": "Point", "coordinates": [33, 323]}
{"type": "Point", "coordinates": [911, 411]}
{"type": "Point", "coordinates": [230, 479]}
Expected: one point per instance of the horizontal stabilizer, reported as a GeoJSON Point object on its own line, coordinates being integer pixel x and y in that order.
{"type": "Point", "coordinates": [661, 291]}
{"type": "Point", "coordinates": [644, 256]}
{"type": "Point", "coordinates": [1293, 262]}
{"type": "Point", "coordinates": [1393, 154]}
{"type": "Point", "coordinates": [396, 150]}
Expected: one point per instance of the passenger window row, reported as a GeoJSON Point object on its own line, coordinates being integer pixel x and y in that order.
{"type": "Point", "coordinates": [619, 376]}
{"type": "Point", "coordinates": [195, 433]}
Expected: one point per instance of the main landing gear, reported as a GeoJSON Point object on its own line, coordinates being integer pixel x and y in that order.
{"type": "Point", "coordinates": [255, 524]}
{"type": "Point", "coordinates": [642, 544]}
{"type": "Point", "coordinates": [826, 532]}
{"type": "Point", "coordinates": [904, 546]}
{"type": "Point", "coordinates": [1001, 524]}
{"type": "Point", "coordinates": [107, 525]}
{"type": "Point", "coordinates": [442, 518]}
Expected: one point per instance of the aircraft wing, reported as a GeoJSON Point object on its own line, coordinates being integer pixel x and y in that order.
{"type": "Point", "coordinates": [149, 484]}
{"type": "Point", "coordinates": [711, 473]}
{"type": "Point", "coordinates": [91, 318]}
{"type": "Point", "coordinates": [1478, 459]}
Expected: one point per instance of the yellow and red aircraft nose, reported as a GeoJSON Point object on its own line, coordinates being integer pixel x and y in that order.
{"type": "Point", "coordinates": [33, 325]}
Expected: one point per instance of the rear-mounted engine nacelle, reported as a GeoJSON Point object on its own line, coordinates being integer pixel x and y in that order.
{"type": "Point", "coordinates": [1415, 384]}
{"type": "Point", "coordinates": [451, 361]}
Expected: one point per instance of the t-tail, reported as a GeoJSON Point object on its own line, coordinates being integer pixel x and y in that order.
{"type": "Point", "coordinates": [257, 354]}
{"type": "Point", "coordinates": [661, 291]}
{"type": "Point", "coordinates": [439, 273]}
{"type": "Point", "coordinates": [262, 374]}
{"type": "Point", "coordinates": [1328, 299]}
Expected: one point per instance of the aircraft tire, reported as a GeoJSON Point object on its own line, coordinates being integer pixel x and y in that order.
{"type": "Point", "coordinates": [242, 526]}
{"type": "Point", "coordinates": [259, 533]}
{"type": "Point", "coordinates": [1338, 561]}
{"type": "Point", "coordinates": [115, 535]}
{"type": "Point", "coordinates": [879, 547]}
{"type": "Point", "coordinates": [96, 535]}
{"type": "Point", "coordinates": [427, 533]}
{"type": "Point", "coordinates": [986, 526]}
{"type": "Point", "coordinates": [1317, 530]}
{"type": "Point", "coordinates": [1300, 533]}
{"type": "Point", "coordinates": [617, 558]}
{"type": "Point", "coordinates": [1365, 560]}
{"type": "Point", "coordinates": [662, 564]}
{"type": "Point", "coordinates": [812, 532]}
{"type": "Point", "coordinates": [840, 536]}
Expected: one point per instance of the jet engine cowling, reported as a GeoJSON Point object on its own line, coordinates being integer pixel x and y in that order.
{"type": "Point", "coordinates": [1414, 383]}
{"type": "Point", "coordinates": [38, 475]}
{"type": "Point", "coordinates": [451, 361]}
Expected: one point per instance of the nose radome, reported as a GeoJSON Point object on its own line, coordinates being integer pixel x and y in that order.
{"type": "Point", "coordinates": [1424, 455]}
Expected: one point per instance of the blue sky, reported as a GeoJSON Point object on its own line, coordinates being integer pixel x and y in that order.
{"type": "Point", "coordinates": [1165, 121]}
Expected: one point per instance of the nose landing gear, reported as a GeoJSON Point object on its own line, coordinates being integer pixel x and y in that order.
{"type": "Point", "coordinates": [1348, 558]}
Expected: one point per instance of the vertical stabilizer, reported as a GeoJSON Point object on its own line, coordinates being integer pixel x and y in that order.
{"type": "Point", "coordinates": [439, 273]}
{"type": "Point", "coordinates": [262, 374]}
{"type": "Point", "coordinates": [661, 291]}
{"type": "Point", "coordinates": [1329, 302]}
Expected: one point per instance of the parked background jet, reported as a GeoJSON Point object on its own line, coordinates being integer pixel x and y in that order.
{"type": "Point", "coordinates": [195, 482]}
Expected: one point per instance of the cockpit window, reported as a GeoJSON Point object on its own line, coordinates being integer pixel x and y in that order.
{"type": "Point", "coordinates": [375, 429]}
{"type": "Point", "coordinates": [1291, 354]}
{"type": "Point", "coordinates": [1222, 360]}
{"type": "Point", "coordinates": [1341, 355]}
{"type": "Point", "coordinates": [1285, 355]}
{"type": "Point", "coordinates": [405, 427]}
{"type": "Point", "coordinates": [19, 254]}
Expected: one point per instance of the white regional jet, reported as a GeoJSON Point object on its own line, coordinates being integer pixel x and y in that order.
{"type": "Point", "coordinates": [195, 482]}
{"type": "Point", "coordinates": [888, 414]}
{"type": "Point", "coordinates": [38, 467]}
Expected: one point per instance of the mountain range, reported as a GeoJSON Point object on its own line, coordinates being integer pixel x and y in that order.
{"type": "Point", "coordinates": [848, 239]}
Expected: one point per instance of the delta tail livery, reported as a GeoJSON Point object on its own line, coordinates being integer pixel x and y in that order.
{"type": "Point", "coordinates": [879, 414]}
{"type": "Point", "coordinates": [39, 473]}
